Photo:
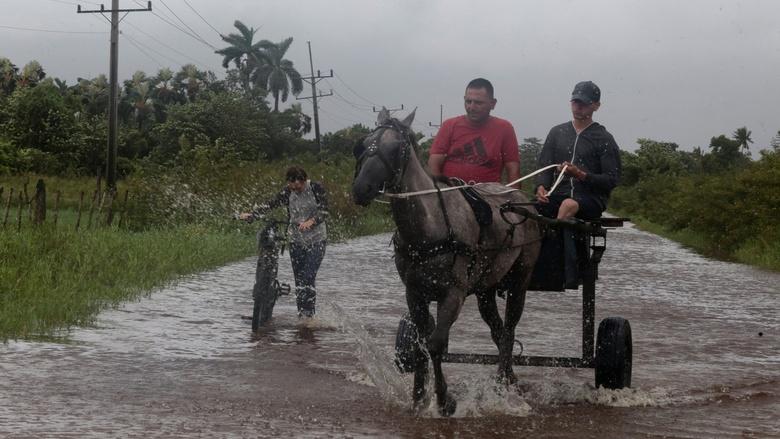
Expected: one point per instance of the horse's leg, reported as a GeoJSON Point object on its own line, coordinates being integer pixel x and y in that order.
{"type": "Point", "coordinates": [515, 302]}
{"type": "Point", "coordinates": [447, 312]}
{"type": "Point", "coordinates": [486, 302]}
{"type": "Point", "coordinates": [418, 312]}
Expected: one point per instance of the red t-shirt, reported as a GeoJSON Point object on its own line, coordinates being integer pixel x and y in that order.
{"type": "Point", "coordinates": [476, 152]}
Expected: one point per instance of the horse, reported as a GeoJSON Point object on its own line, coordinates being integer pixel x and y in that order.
{"type": "Point", "coordinates": [443, 254]}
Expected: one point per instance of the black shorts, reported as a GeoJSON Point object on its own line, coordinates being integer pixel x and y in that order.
{"type": "Point", "coordinates": [589, 208]}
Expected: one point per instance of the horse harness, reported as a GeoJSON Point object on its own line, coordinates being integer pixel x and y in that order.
{"type": "Point", "coordinates": [372, 149]}
{"type": "Point", "coordinates": [419, 252]}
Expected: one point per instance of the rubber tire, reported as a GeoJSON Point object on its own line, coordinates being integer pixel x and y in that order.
{"type": "Point", "coordinates": [406, 345]}
{"type": "Point", "coordinates": [265, 299]}
{"type": "Point", "coordinates": [614, 353]}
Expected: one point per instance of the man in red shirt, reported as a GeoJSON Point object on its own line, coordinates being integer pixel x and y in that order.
{"type": "Point", "coordinates": [476, 147]}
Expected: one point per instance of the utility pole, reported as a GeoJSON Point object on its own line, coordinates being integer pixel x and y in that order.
{"type": "Point", "coordinates": [441, 118]}
{"type": "Point", "coordinates": [388, 109]}
{"type": "Point", "coordinates": [113, 96]}
{"type": "Point", "coordinates": [313, 80]}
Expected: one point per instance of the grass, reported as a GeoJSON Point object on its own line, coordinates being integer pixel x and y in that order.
{"type": "Point", "coordinates": [56, 278]}
{"type": "Point", "coordinates": [756, 252]}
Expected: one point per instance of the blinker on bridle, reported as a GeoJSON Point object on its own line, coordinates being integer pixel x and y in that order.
{"type": "Point", "coordinates": [372, 149]}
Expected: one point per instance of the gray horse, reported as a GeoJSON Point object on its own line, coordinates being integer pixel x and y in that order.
{"type": "Point", "coordinates": [443, 254]}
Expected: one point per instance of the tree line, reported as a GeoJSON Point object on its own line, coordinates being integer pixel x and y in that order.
{"type": "Point", "coordinates": [171, 117]}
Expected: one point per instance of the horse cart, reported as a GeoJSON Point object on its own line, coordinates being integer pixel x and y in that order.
{"type": "Point", "coordinates": [453, 241]}
{"type": "Point", "coordinates": [570, 255]}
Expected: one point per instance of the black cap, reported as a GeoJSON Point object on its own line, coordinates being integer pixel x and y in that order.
{"type": "Point", "coordinates": [587, 92]}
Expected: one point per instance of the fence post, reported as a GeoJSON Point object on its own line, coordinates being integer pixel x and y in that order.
{"type": "Point", "coordinates": [8, 206]}
{"type": "Point", "coordinates": [39, 209]}
{"type": "Point", "coordinates": [27, 198]}
{"type": "Point", "coordinates": [56, 207]}
{"type": "Point", "coordinates": [111, 195]}
{"type": "Point", "coordinates": [102, 199]}
{"type": "Point", "coordinates": [81, 203]}
{"type": "Point", "coordinates": [98, 188]}
{"type": "Point", "coordinates": [19, 213]}
{"type": "Point", "coordinates": [124, 209]}
{"type": "Point", "coordinates": [92, 209]}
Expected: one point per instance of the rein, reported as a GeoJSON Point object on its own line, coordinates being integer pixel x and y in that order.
{"type": "Point", "coordinates": [404, 195]}
{"type": "Point", "coordinates": [418, 252]}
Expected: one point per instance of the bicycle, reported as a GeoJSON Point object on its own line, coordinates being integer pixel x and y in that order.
{"type": "Point", "coordinates": [267, 289]}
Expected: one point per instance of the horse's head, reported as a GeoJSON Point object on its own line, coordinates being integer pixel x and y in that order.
{"type": "Point", "coordinates": [382, 157]}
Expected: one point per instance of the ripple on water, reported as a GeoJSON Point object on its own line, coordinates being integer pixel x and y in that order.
{"type": "Point", "coordinates": [695, 324]}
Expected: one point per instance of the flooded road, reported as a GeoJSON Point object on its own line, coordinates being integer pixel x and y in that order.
{"type": "Point", "coordinates": [183, 363]}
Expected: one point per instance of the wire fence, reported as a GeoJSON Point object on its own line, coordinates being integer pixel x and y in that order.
{"type": "Point", "coordinates": [103, 208]}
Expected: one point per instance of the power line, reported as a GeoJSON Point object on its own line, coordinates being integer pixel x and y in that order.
{"type": "Point", "coordinates": [354, 92]}
{"type": "Point", "coordinates": [340, 119]}
{"type": "Point", "coordinates": [162, 12]}
{"type": "Point", "coordinates": [341, 98]}
{"type": "Point", "coordinates": [350, 111]}
{"type": "Point", "coordinates": [201, 17]}
{"type": "Point", "coordinates": [186, 25]}
{"type": "Point", "coordinates": [137, 43]}
{"type": "Point", "coordinates": [72, 3]}
{"type": "Point", "coordinates": [152, 37]}
{"type": "Point", "coordinates": [179, 28]}
{"type": "Point", "coordinates": [347, 101]}
{"type": "Point", "coordinates": [51, 30]}
{"type": "Point", "coordinates": [141, 49]}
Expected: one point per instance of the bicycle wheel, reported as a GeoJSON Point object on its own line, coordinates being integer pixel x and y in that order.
{"type": "Point", "coordinates": [264, 293]}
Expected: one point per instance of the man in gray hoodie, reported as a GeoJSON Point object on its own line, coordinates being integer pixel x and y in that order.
{"type": "Point", "coordinates": [588, 156]}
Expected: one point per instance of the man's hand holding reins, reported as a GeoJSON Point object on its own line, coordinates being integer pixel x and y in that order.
{"type": "Point", "coordinates": [541, 195]}
{"type": "Point", "coordinates": [572, 170]}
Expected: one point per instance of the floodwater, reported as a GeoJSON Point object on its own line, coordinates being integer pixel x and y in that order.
{"type": "Point", "coordinates": [183, 363]}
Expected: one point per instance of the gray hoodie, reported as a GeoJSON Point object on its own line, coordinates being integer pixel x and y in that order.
{"type": "Point", "coordinates": [594, 151]}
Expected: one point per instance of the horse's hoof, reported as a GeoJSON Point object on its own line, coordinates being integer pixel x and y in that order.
{"type": "Point", "coordinates": [507, 377]}
{"type": "Point", "coordinates": [448, 408]}
{"type": "Point", "coordinates": [420, 403]}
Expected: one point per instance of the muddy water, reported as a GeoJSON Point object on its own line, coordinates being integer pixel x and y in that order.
{"type": "Point", "coordinates": [183, 363]}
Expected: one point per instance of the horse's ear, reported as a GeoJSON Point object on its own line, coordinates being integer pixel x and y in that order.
{"type": "Point", "coordinates": [407, 122]}
{"type": "Point", "coordinates": [384, 117]}
{"type": "Point", "coordinates": [359, 148]}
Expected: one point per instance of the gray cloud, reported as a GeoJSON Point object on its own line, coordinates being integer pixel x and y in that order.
{"type": "Point", "coordinates": [669, 70]}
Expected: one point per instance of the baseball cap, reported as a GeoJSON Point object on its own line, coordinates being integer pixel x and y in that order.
{"type": "Point", "coordinates": [587, 92]}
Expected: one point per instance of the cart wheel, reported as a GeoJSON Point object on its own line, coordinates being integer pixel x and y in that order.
{"type": "Point", "coordinates": [406, 345]}
{"type": "Point", "coordinates": [613, 353]}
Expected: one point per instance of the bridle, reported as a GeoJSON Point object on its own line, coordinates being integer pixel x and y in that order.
{"type": "Point", "coordinates": [407, 144]}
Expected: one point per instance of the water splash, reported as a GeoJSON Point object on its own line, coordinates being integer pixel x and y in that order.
{"type": "Point", "coordinates": [378, 363]}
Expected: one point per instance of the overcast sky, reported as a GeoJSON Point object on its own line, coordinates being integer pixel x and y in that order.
{"type": "Point", "coordinates": [671, 70]}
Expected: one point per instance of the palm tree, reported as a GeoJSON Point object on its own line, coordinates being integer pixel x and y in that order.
{"type": "Point", "coordinates": [277, 75]}
{"type": "Point", "coordinates": [164, 91]}
{"type": "Point", "coordinates": [775, 143]}
{"type": "Point", "coordinates": [9, 74]}
{"type": "Point", "coordinates": [94, 95]}
{"type": "Point", "coordinates": [742, 135]}
{"type": "Point", "coordinates": [188, 81]}
{"type": "Point", "coordinates": [143, 104]}
{"type": "Point", "coordinates": [32, 73]}
{"type": "Point", "coordinates": [62, 86]}
{"type": "Point", "coordinates": [242, 51]}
